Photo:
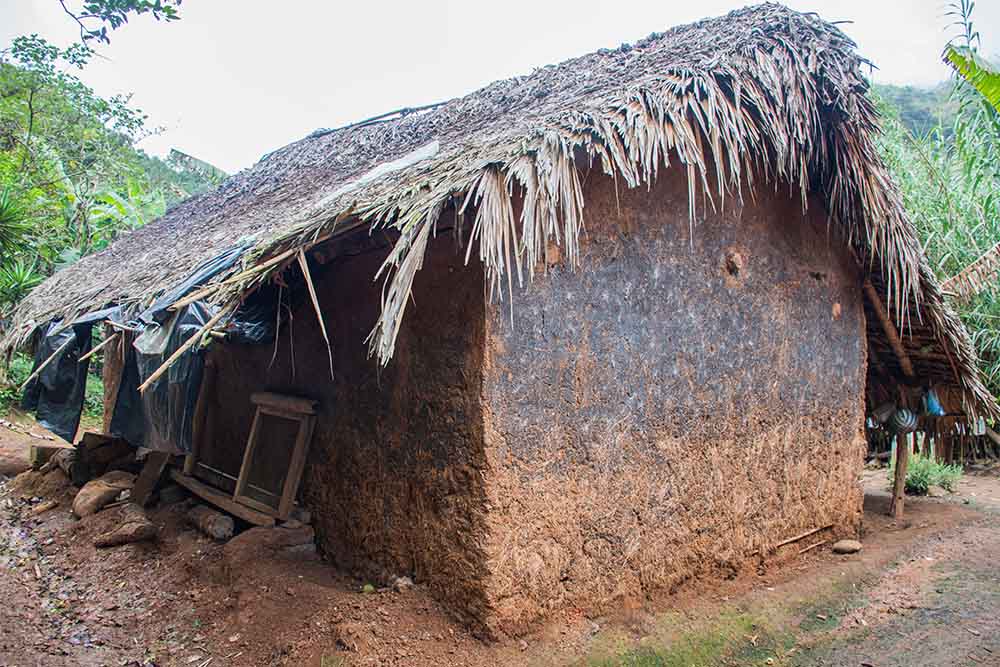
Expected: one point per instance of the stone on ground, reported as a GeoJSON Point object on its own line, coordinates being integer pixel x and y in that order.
{"type": "Point", "coordinates": [97, 493]}
{"type": "Point", "coordinates": [846, 547]}
{"type": "Point", "coordinates": [134, 527]}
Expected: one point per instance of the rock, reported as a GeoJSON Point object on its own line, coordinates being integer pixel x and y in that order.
{"type": "Point", "coordinates": [400, 584]}
{"type": "Point", "coordinates": [215, 524]}
{"type": "Point", "coordinates": [135, 527]}
{"type": "Point", "coordinates": [846, 547]}
{"type": "Point", "coordinates": [99, 492]}
{"type": "Point", "coordinates": [935, 491]}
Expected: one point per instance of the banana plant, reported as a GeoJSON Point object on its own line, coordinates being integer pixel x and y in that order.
{"type": "Point", "coordinates": [976, 70]}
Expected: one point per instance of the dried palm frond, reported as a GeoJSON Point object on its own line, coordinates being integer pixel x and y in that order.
{"type": "Point", "coordinates": [764, 97]}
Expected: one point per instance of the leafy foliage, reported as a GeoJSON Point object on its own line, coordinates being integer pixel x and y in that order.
{"type": "Point", "coordinates": [977, 71]}
{"type": "Point", "coordinates": [924, 472]}
{"type": "Point", "coordinates": [71, 177]}
{"type": "Point", "coordinates": [950, 181]}
{"type": "Point", "coordinates": [98, 16]}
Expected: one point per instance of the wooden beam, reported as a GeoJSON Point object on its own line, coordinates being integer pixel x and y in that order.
{"type": "Point", "coordinates": [890, 329]}
{"type": "Point", "coordinates": [221, 500]}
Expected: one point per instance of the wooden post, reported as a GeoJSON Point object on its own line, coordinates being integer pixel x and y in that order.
{"type": "Point", "coordinates": [899, 480]}
{"type": "Point", "coordinates": [902, 442]}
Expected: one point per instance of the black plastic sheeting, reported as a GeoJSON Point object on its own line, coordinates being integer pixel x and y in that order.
{"type": "Point", "coordinates": [160, 418]}
{"type": "Point", "coordinates": [56, 395]}
{"type": "Point", "coordinates": [159, 313]}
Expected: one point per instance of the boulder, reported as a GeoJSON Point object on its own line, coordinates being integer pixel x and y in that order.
{"type": "Point", "coordinates": [846, 547]}
{"type": "Point", "coordinates": [134, 527]}
{"type": "Point", "coordinates": [97, 493]}
{"type": "Point", "coordinates": [935, 491]}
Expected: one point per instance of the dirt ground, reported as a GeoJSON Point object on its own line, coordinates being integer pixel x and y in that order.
{"type": "Point", "coordinates": [925, 592]}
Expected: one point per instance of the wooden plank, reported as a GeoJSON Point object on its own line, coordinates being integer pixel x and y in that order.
{"type": "Point", "coordinates": [199, 421]}
{"type": "Point", "coordinates": [221, 500]}
{"type": "Point", "coordinates": [241, 481]}
{"type": "Point", "coordinates": [150, 476]}
{"type": "Point", "coordinates": [296, 466]}
{"type": "Point", "coordinates": [111, 374]}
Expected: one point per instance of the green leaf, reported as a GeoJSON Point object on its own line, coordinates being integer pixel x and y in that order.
{"type": "Point", "coordinates": [977, 71]}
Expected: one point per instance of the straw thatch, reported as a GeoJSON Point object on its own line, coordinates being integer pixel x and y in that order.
{"type": "Point", "coordinates": [763, 97]}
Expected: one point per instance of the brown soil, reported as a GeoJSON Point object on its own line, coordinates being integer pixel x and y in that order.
{"type": "Point", "coordinates": [175, 601]}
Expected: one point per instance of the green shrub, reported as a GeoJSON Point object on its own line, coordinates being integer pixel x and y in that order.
{"type": "Point", "coordinates": [17, 373]}
{"type": "Point", "coordinates": [923, 473]}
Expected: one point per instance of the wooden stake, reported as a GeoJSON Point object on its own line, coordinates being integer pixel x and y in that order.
{"type": "Point", "coordinates": [101, 346]}
{"type": "Point", "coordinates": [185, 346]}
{"type": "Point", "coordinates": [45, 363]}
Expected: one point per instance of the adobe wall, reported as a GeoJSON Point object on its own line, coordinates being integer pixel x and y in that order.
{"type": "Point", "coordinates": [394, 476]}
{"type": "Point", "coordinates": [674, 406]}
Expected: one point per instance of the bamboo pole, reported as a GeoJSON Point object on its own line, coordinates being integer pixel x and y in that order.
{"type": "Point", "coordinates": [205, 291]}
{"type": "Point", "coordinates": [185, 346]}
{"type": "Point", "coordinates": [45, 363]}
{"type": "Point", "coordinates": [107, 341]}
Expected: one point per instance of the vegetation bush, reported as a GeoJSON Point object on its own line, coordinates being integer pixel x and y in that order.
{"type": "Point", "coordinates": [924, 472]}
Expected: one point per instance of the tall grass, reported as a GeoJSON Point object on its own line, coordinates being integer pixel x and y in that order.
{"type": "Point", "coordinates": [950, 182]}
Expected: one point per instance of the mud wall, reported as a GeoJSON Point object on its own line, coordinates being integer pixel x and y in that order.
{"type": "Point", "coordinates": [678, 404]}
{"type": "Point", "coordinates": [394, 474]}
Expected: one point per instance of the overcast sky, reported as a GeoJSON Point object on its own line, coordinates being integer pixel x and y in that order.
{"type": "Point", "coordinates": [235, 79]}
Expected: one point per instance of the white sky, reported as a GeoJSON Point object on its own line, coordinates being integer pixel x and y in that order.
{"type": "Point", "coordinates": [235, 79]}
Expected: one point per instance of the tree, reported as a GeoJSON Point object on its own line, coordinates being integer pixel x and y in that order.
{"type": "Point", "coordinates": [95, 17]}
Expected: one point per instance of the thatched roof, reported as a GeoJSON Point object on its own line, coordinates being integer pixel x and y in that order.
{"type": "Point", "coordinates": [762, 95]}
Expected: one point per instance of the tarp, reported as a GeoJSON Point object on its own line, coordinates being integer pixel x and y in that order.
{"type": "Point", "coordinates": [56, 394]}
{"type": "Point", "coordinates": [160, 418]}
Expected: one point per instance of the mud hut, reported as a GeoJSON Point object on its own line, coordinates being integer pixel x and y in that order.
{"type": "Point", "coordinates": [580, 335]}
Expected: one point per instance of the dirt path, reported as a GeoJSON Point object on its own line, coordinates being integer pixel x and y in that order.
{"type": "Point", "coordinates": [925, 592]}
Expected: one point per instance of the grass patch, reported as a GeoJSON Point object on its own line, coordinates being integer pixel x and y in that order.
{"type": "Point", "coordinates": [732, 636]}
{"type": "Point", "coordinates": [924, 472]}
